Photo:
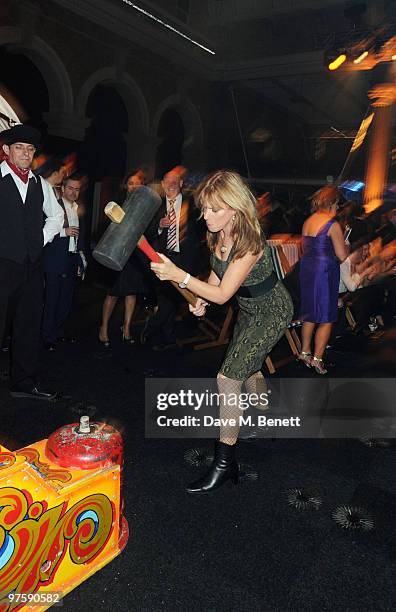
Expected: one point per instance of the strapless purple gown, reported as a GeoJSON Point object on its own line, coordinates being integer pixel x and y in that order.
{"type": "Point", "coordinates": [319, 278]}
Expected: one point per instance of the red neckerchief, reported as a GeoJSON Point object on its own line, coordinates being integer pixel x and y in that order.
{"type": "Point", "coordinates": [23, 174]}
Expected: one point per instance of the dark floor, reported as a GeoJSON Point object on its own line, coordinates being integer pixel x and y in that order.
{"type": "Point", "coordinates": [242, 548]}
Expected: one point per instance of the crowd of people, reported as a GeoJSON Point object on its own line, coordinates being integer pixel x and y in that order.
{"type": "Point", "coordinates": [348, 262]}
{"type": "Point", "coordinates": [348, 267]}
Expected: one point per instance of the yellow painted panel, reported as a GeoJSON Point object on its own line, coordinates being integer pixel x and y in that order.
{"type": "Point", "coordinates": [57, 526]}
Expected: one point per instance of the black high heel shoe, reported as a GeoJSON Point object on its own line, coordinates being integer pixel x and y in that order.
{"type": "Point", "coordinates": [126, 339]}
{"type": "Point", "coordinates": [224, 467]}
{"type": "Point", "coordinates": [104, 343]}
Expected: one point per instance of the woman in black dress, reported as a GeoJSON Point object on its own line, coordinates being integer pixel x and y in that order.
{"type": "Point", "coordinates": [129, 282]}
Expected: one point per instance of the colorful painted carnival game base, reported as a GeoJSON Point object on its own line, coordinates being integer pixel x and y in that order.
{"type": "Point", "coordinates": [60, 514]}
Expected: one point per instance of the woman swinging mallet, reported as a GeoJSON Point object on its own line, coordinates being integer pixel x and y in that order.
{"type": "Point", "coordinates": [241, 266]}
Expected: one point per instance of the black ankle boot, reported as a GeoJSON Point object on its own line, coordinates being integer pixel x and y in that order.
{"type": "Point", "coordinates": [223, 468]}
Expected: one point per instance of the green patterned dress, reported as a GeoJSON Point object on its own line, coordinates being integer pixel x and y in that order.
{"type": "Point", "coordinates": [261, 321]}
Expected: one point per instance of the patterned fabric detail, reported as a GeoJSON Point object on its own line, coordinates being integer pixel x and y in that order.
{"type": "Point", "coordinates": [261, 321]}
{"type": "Point", "coordinates": [171, 239]}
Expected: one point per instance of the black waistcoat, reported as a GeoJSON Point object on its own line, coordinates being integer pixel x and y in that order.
{"type": "Point", "coordinates": [21, 223]}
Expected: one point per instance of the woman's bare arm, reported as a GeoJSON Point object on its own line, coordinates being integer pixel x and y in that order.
{"type": "Point", "coordinates": [213, 279]}
{"type": "Point", "coordinates": [337, 238]}
{"type": "Point", "coordinates": [233, 278]}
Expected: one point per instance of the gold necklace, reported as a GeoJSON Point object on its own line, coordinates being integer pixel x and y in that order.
{"type": "Point", "coordinates": [223, 246]}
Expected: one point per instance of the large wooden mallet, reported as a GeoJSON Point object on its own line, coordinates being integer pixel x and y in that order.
{"type": "Point", "coordinates": [119, 240]}
{"type": "Point", "coordinates": [117, 214]}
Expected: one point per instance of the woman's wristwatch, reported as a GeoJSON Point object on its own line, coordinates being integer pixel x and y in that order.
{"type": "Point", "coordinates": [184, 282]}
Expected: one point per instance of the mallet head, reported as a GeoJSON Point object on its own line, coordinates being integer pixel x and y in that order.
{"type": "Point", "coordinates": [114, 212]}
{"type": "Point", "coordinates": [129, 223]}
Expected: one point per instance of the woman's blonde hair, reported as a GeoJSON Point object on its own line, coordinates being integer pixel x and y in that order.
{"type": "Point", "coordinates": [325, 198]}
{"type": "Point", "coordinates": [228, 188]}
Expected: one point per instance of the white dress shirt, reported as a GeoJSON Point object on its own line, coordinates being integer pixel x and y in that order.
{"type": "Point", "coordinates": [72, 217]}
{"type": "Point", "coordinates": [52, 210]}
{"type": "Point", "coordinates": [348, 281]}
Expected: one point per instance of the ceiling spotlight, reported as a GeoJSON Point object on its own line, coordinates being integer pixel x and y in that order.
{"type": "Point", "coordinates": [334, 56]}
{"type": "Point", "coordinates": [337, 62]}
{"type": "Point", "coordinates": [393, 57]}
{"type": "Point", "coordinates": [361, 57]}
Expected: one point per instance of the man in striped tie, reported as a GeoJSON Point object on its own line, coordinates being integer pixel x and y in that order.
{"type": "Point", "coordinates": [178, 238]}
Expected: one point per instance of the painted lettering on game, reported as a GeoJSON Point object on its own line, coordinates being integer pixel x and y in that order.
{"type": "Point", "coordinates": [34, 539]}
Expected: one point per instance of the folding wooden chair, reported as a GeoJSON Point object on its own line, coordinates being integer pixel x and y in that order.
{"type": "Point", "coordinates": [214, 335]}
{"type": "Point", "coordinates": [290, 332]}
{"type": "Point", "coordinates": [218, 335]}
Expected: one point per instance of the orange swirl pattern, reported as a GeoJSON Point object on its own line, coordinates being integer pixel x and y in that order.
{"type": "Point", "coordinates": [33, 457]}
{"type": "Point", "coordinates": [34, 540]}
{"type": "Point", "coordinates": [6, 460]}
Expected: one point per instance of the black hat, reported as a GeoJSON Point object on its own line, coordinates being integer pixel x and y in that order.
{"type": "Point", "coordinates": [21, 133]}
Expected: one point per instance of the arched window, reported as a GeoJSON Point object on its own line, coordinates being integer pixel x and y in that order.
{"type": "Point", "coordinates": [171, 133]}
{"type": "Point", "coordinates": [104, 150]}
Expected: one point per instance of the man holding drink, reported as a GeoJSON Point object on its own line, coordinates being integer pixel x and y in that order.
{"type": "Point", "coordinates": [62, 260]}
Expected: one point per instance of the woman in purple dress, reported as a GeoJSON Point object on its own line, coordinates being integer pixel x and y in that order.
{"type": "Point", "coordinates": [323, 250]}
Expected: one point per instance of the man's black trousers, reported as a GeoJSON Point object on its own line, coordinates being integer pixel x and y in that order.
{"type": "Point", "coordinates": [21, 296]}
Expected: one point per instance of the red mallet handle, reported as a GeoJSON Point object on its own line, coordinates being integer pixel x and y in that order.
{"type": "Point", "coordinates": [148, 250]}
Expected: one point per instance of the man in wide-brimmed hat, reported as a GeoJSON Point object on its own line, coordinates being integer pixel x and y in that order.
{"type": "Point", "coordinates": [23, 199]}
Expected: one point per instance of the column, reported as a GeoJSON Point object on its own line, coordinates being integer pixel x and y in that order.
{"type": "Point", "coordinates": [383, 97]}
